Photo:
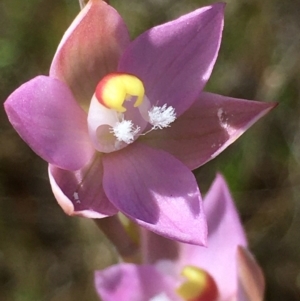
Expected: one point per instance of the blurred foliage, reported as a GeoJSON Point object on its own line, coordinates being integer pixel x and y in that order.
{"type": "Point", "coordinates": [45, 255]}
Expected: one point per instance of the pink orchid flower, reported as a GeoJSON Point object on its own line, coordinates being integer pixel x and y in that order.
{"type": "Point", "coordinates": [225, 271]}
{"type": "Point", "coordinates": [122, 124]}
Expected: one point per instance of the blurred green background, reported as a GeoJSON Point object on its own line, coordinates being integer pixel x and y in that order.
{"type": "Point", "coordinates": [48, 256]}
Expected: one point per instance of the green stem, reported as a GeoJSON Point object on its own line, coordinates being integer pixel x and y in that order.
{"type": "Point", "coordinates": [115, 232]}
{"type": "Point", "coordinates": [82, 3]}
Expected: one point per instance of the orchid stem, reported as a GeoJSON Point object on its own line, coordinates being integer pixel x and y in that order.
{"type": "Point", "coordinates": [82, 3]}
{"type": "Point", "coordinates": [156, 247]}
{"type": "Point", "coordinates": [115, 232]}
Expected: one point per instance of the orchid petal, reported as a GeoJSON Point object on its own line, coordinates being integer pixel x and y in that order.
{"type": "Point", "coordinates": [251, 279]}
{"type": "Point", "coordinates": [129, 282]}
{"type": "Point", "coordinates": [211, 124]}
{"type": "Point", "coordinates": [45, 114]}
{"type": "Point", "coordinates": [80, 192]}
{"type": "Point", "coordinates": [155, 190]}
{"type": "Point", "coordinates": [90, 49]}
{"type": "Point", "coordinates": [225, 234]}
{"type": "Point", "coordinates": [175, 60]}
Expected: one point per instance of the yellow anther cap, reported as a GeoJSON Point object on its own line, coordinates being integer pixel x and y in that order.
{"type": "Point", "coordinates": [200, 286]}
{"type": "Point", "coordinates": [114, 88]}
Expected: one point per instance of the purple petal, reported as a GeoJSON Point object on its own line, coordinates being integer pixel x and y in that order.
{"type": "Point", "coordinates": [251, 279]}
{"type": "Point", "coordinates": [129, 282]}
{"type": "Point", "coordinates": [90, 49]}
{"type": "Point", "coordinates": [81, 192]}
{"type": "Point", "coordinates": [175, 60]}
{"type": "Point", "coordinates": [207, 128]}
{"type": "Point", "coordinates": [157, 191]}
{"type": "Point", "coordinates": [225, 234]}
{"type": "Point", "coordinates": [45, 114]}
